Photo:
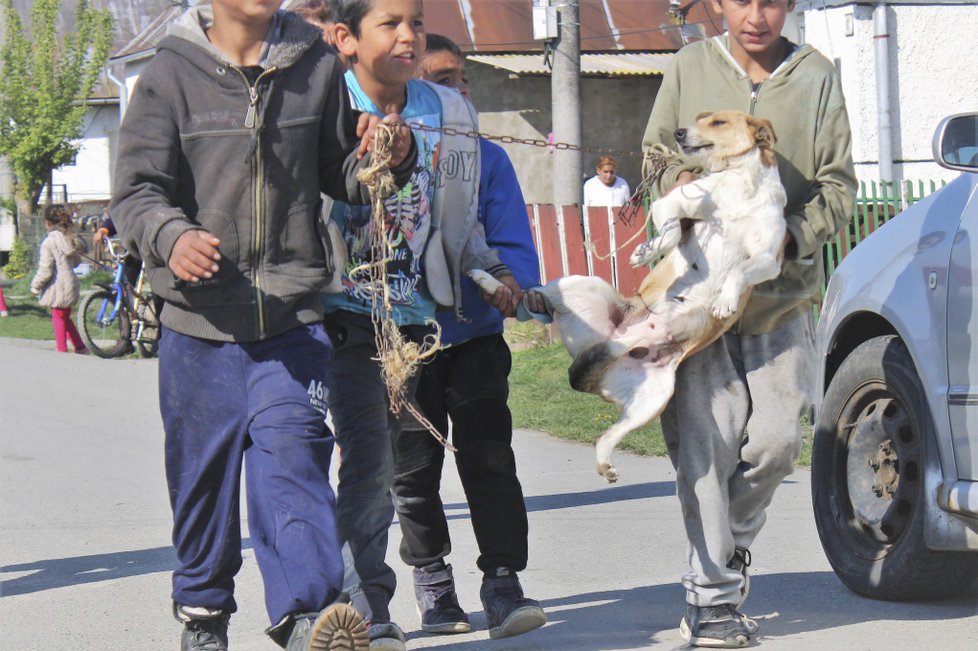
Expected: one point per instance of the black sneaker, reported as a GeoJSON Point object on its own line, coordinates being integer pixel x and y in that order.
{"type": "Point", "coordinates": [740, 562]}
{"type": "Point", "coordinates": [339, 627]}
{"type": "Point", "coordinates": [720, 626]}
{"type": "Point", "coordinates": [438, 607]}
{"type": "Point", "coordinates": [508, 612]}
{"type": "Point", "coordinates": [204, 629]}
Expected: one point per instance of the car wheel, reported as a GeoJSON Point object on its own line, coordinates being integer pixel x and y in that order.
{"type": "Point", "coordinates": [868, 487]}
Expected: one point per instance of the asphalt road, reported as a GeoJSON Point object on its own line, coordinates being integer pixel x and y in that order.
{"type": "Point", "coordinates": [85, 555]}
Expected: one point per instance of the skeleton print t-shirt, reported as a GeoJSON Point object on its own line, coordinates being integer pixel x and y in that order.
{"type": "Point", "coordinates": [407, 220]}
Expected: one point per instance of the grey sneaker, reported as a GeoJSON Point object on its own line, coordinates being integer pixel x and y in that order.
{"type": "Point", "coordinates": [740, 562]}
{"type": "Point", "coordinates": [720, 626]}
{"type": "Point", "coordinates": [385, 636]}
{"type": "Point", "coordinates": [508, 612]}
{"type": "Point", "coordinates": [438, 607]}
{"type": "Point", "coordinates": [338, 627]}
{"type": "Point", "coordinates": [204, 629]}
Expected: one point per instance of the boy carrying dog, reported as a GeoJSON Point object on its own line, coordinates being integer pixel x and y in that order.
{"type": "Point", "coordinates": [237, 124]}
{"type": "Point", "coordinates": [732, 428]}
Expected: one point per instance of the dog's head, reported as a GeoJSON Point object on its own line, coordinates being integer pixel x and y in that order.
{"type": "Point", "coordinates": [725, 135]}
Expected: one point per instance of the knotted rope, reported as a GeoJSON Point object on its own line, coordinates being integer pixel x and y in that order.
{"type": "Point", "coordinates": [399, 358]}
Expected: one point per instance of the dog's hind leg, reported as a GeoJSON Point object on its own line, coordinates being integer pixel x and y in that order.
{"type": "Point", "coordinates": [643, 390]}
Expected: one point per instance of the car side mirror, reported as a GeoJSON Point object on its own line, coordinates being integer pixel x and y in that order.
{"type": "Point", "coordinates": [956, 142]}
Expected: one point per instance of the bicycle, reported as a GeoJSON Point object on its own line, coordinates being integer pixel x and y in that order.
{"type": "Point", "coordinates": [120, 315]}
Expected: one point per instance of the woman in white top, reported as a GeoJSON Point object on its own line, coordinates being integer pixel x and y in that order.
{"type": "Point", "coordinates": [606, 188]}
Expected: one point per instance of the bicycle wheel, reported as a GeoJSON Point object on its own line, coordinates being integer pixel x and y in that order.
{"type": "Point", "coordinates": [146, 335]}
{"type": "Point", "coordinates": [106, 337]}
{"type": "Point", "coordinates": [147, 345]}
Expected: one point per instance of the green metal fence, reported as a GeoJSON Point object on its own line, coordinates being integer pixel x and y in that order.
{"type": "Point", "coordinates": [876, 203]}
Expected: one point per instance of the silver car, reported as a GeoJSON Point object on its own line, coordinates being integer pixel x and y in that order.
{"type": "Point", "coordinates": [895, 458]}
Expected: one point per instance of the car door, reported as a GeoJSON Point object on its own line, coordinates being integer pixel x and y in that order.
{"type": "Point", "coordinates": [962, 338]}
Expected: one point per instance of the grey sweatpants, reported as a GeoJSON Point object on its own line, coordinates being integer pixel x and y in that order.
{"type": "Point", "coordinates": [725, 478]}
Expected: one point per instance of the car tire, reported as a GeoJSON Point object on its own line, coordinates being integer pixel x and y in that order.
{"type": "Point", "coordinates": [868, 488]}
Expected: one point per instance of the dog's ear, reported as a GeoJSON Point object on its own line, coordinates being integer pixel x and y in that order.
{"type": "Point", "coordinates": [763, 132]}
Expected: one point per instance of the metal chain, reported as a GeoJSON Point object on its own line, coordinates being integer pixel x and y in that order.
{"type": "Point", "coordinates": [533, 142]}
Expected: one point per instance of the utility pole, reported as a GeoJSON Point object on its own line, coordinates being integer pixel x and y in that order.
{"type": "Point", "coordinates": [565, 93]}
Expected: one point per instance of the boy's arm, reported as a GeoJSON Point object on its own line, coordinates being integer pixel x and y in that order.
{"type": "Point", "coordinates": [661, 129]}
{"type": "Point", "coordinates": [506, 223]}
{"type": "Point", "coordinates": [829, 205]}
{"type": "Point", "coordinates": [146, 176]}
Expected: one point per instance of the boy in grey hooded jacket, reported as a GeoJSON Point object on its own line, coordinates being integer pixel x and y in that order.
{"type": "Point", "coordinates": [758, 376]}
{"type": "Point", "coordinates": [235, 127]}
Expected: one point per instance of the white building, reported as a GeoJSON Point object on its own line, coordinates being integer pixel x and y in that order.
{"type": "Point", "coordinates": [905, 64]}
{"type": "Point", "coordinates": [90, 177]}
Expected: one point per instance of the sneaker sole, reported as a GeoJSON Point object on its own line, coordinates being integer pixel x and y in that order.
{"type": "Point", "coordinates": [446, 628]}
{"type": "Point", "coordinates": [386, 644]}
{"type": "Point", "coordinates": [736, 642]}
{"type": "Point", "coordinates": [521, 620]}
{"type": "Point", "coordinates": [339, 628]}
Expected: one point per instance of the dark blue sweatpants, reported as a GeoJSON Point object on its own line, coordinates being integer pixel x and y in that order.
{"type": "Point", "coordinates": [264, 403]}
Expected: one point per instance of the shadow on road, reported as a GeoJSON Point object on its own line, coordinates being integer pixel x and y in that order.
{"type": "Point", "coordinates": [604, 495]}
{"type": "Point", "coordinates": [787, 605]}
{"type": "Point", "coordinates": [63, 572]}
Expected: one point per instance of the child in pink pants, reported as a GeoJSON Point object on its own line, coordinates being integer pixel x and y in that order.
{"type": "Point", "coordinates": [55, 283]}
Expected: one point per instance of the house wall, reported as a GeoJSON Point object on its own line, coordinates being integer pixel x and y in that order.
{"type": "Point", "coordinates": [90, 178]}
{"type": "Point", "coordinates": [929, 78]}
{"type": "Point", "coordinates": [614, 113]}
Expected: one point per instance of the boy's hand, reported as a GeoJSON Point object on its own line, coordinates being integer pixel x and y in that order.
{"type": "Point", "coordinates": [535, 302]}
{"type": "Point", "coordinates": [506, 297]}
{"type": "Point", "coordinates": [367, 125]}
{"type": "Point", "coordinates": [684, 177]}
{"type": "Point", "coordinates": [195, 256]}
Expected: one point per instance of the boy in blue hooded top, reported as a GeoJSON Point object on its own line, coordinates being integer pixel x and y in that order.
{"type": "Point", "coordinates": [467, 383]}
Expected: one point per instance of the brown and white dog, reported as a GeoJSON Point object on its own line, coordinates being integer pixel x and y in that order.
{"type": "Point", "coordinates": [719, 236]}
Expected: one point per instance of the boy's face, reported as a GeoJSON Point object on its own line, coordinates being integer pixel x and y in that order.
{"type": "Point", "coordinates": [445, 69]}
{"type": "Point", "coordinates": [246, 11]}
{"type": "Point", "coordinates": [390, 44]}
{"type": "Point", "coordinates": [755, 25]}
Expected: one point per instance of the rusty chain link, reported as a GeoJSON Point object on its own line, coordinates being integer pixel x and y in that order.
{"type": "Point", "coordinates": [533, 142]}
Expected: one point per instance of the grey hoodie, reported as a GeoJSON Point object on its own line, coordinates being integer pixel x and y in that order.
{"type": "Point", "coordinates": [201, 148]}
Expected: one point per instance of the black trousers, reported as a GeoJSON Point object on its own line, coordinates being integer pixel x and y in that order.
{"type": "Point", "coordinates": [468, 384]}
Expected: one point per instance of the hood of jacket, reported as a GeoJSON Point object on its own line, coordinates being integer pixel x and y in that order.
{"type": "Point", "coordinates": [286, 41]}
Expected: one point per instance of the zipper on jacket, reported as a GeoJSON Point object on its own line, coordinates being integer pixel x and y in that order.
{"type": "Point", "coordinates": [251, 122]}
{"type": "Point", "coordinates": [252, 110]}
{"type": "Point", "coordinates": [753, 94]}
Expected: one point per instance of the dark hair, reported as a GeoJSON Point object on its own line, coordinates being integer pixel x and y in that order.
{"type": "Point", "coordinates": [351, 13]}
{"type": "Point", "coordinates": [59, 217]}
{"type": "Point", "coordinates": [439, 43]}
{"type": "Point", "coordinates": [318, 11]}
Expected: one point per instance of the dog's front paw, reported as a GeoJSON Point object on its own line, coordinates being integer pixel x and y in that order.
{"type": "Point", "coordinates": [608, 471]}
{"type": "Point", "coordinates": [725, 306]}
